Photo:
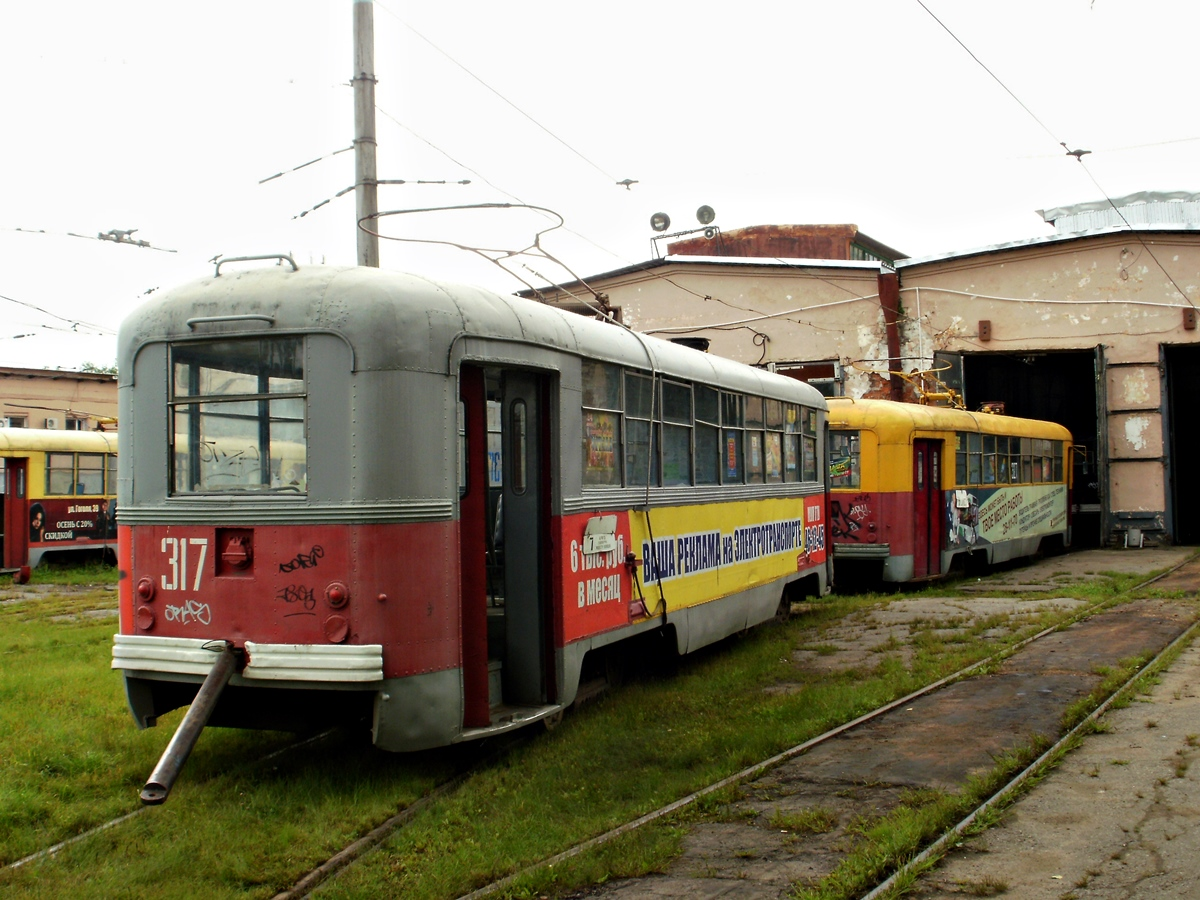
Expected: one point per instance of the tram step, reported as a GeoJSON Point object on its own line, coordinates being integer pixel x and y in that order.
{"type": "Point", "coordinates": [495, 688]}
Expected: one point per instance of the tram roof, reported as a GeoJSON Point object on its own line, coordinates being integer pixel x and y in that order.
{"type": "Point", "coordinates": [15, 440]}
{"type": "Point", "coordinates": [394, 320]}
{"type": "Point", "coordinates": [896, 419]}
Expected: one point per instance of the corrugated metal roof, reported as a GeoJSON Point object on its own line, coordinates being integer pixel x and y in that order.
{"type": "Point", "coordinates": [1143, 208]}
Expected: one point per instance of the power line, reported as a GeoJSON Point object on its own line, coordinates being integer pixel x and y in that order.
{"type": "Point", "coordinates": [74, 323]}
{"type": "Point", "coordinates": [995, 77]}
{"type": "Point", "coordinates": [304, 165]}
{"type": "Point", "coordinates": [1139, 238]}
{"type": "Point", "coordinates": [112, 236]}
{"type": "Point", "coordinates": [1078, 153]}
{"type": "Point", "coordinates": [606, 174]}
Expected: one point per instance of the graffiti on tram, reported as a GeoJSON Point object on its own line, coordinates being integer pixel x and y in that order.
{"type": "Point", "coordinates": [849, 516]}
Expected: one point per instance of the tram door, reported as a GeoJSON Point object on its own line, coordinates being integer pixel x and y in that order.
{"type": "Point", "coordinates": [16, 512]}
{"type": "Point", "coordinates": [927, 508]}
{"type": "Point", "coordinates": [523, 522]}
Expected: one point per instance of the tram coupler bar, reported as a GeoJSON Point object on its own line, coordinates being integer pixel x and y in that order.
{"type": "Point", "coordinates": [186, 735]}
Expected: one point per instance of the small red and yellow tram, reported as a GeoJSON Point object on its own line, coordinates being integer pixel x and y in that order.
{"type": "Point", "coordinates": [915, 488]}
{"type": "Point", "coordinates": [57, 493]}
{"type": "Point", "coordinates": [435, 508]}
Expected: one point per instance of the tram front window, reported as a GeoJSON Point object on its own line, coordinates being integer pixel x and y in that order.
{"type": "Point", "coordinates": [238, 410]}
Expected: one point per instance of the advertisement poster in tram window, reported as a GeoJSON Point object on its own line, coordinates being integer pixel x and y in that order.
{"type": "Point", "coordinates": [58, 520]}
{"type": "Point", "coordinates": [977, 516]}
{"type": "Point", "coordinates": [698, 553]}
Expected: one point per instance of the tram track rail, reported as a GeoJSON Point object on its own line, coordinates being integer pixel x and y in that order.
{"type": "Point", "coordinates": [933, 850]}
{"type": "Point", "coordinates": [362, 845]}
{"type": "Point", "coordinates": [1009, 790]}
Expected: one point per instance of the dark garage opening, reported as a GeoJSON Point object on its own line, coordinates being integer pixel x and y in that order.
{"type": "Point", "coordinates": [1182, 366]}
{"type": "Point", "coordinates": [1059, 387]}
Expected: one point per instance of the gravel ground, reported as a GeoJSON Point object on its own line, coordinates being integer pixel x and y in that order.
{"type": "Point", "coordinates": [1116, 819]}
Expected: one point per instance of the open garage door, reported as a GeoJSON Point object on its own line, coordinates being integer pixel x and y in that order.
{"type": "Point", "coordinates": [1182, 369]}
{"type": "Point", "coordinates": [1059, 386]}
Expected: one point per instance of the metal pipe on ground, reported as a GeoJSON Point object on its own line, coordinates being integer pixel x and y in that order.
{"type": "Point", "coordinates": [186, 735]}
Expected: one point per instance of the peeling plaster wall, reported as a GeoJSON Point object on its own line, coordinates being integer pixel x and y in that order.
{"type": "Point", "coordinates": [806, 313]}
{"type": "Point", "coordinates": [1074, 295]}
{"type": "Point", "coordinates": [1071, 294]}
{"type": "Point", "coordinates": [1135, 388]}
{"type": "Point", "coordinates": [1068, 295]}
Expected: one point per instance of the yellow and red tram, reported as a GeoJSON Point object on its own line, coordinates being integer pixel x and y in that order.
{"type": "Point", "coordinates": [915, 488]}
{"type": "Point", "coordinates": [57, 493]}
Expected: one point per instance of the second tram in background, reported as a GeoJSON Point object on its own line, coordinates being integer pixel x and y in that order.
{"type": "Point", "coordinates": [57, 494]}
{"type": "Point", "coordinates": [435, 508]}
{"type": "Point", "coordinates": [915, 489]}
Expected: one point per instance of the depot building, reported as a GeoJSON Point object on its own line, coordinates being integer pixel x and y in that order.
{"type": "Point", "coordinates": [1093, 327]}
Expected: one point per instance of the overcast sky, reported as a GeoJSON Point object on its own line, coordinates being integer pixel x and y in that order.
{"type": "Point", "coordinates": [164, 117]}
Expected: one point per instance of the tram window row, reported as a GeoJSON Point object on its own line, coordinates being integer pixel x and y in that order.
{"type": "Point", "coordinates": [982, 459]}
{"type": "Point", "coordinates": [81, 474]}
{"type": "Point", "coordinates": [689, 433]}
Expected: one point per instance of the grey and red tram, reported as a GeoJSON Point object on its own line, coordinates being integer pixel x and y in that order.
{"type": "Point", "coordinates": [428, 506]}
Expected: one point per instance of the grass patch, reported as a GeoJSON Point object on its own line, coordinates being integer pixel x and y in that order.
{"type": "Point", "coordinates": [817, 820]}
{"type": "Point", "coordinates": [237, 829]}
{"type": "Point", "coordinates": [78, 567]}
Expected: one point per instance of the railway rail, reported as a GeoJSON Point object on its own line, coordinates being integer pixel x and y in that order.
{"type": "Point", "coordinates": [795, 756]}
{"type": "Point", "coordinates": [936, 848]}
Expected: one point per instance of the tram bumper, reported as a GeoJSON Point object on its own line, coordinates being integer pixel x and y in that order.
{"type": "Point", "coordinates": [163, 673]}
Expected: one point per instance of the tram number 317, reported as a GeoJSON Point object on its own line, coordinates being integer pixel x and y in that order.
{"type": "Point", "coordinates": [177, 558]}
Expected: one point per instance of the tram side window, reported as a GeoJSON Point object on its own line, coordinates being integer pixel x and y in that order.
{"type": "Point", "coordinates": [640, 461]}
{"type": "Point", "coordinates": [1043, 468]}
{"type": "Point", "coordinates": [844, 454]}
{"type": "Point", "coordinates": [676, 433]}
{"type": "Point", "coordinates": [974, 458]}
{"type": "Point", "coordinates": [989, 459]}
{"type": "Point", "coordinates": [1014, 460]}
{"type": "Point", "coordinates": [754, 440]}
{"type": "Point", "coordinates": [810, 444]}
{"type": "Point", "coordinates": [81, 474]}
{"type": "Point", "coordinates": [791, 442]}
{"type": "Point", "coordinates": [708, 434]}
{"type": "Point", "coordinates": [732, 423]}
{"type": "Point", "coordinates": [90, 479]}
{"type": "Point", "coordinates": [60, 473]}
{"type": "Point", "coordinates": [238, 416]}
{"type": "Point", "coordinates": [1057, 450]}
{"type": "Point", "coordinates": [601, 423]}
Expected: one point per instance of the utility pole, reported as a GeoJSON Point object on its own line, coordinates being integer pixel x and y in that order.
{"type": "Point", "coordinates": [366, 182]}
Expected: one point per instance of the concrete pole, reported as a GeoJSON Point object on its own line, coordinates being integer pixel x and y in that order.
{"type": "Point", "coordinates": [366, 185]}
